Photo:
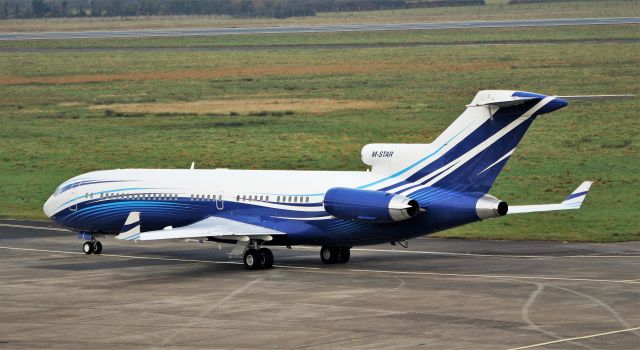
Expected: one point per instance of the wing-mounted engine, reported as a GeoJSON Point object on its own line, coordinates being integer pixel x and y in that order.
{"type": "Point", "coordinates": [369, 206]}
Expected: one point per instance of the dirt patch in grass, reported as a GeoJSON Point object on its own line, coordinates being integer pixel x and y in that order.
{"type": "Point", "coordinates": [341, 68]}
{"type": "Point", "coordinates": [244, 106]}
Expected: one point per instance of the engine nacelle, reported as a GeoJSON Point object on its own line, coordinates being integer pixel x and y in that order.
{"type": "Point", "coordinates": [489, 207]}
{"type": "Point", "coordinates": [370, 206]}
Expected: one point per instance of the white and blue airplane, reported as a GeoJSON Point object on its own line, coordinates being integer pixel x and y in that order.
{"type": "Point", "coordinates": [411, 190]}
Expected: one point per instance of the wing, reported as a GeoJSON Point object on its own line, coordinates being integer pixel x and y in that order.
{"type": "Point", "coordinates": [573, 201]}
{"type": "Point", "coordinates": [210, 227]}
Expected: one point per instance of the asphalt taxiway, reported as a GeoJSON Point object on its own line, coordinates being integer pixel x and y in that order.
{"type": "Point", "coordinates": [333, 28]}
{"type": "Point", "coordinates": [437, 294]}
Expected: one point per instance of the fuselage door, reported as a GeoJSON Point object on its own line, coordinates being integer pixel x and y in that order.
{"type": "Point", "coordinates": [73, 206]}
{"type": "Point", "coordinates": [219, 201]}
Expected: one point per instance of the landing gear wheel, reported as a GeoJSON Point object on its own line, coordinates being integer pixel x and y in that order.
{"type": "Point", "coordinates": [87, 247]}
{"type": "Point", "coordinates": [267, 258]}
{"type": "Point", "coordinates": [344, 255]}
{"type": "Point", "coordinates": [97, 247]}
{"type": "Point", "coordinates": [329, 255]}
{"type": "Point", "coordinates": [252, 259]}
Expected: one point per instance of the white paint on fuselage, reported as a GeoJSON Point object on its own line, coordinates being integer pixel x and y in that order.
{"type": "Point", "coordinates": [197, 182]}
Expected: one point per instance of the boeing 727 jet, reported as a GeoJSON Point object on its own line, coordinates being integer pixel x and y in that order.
{"type": "Point", "coordinates": [411, 190]}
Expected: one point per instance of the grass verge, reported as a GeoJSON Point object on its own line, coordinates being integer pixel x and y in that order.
{"type": "Point", "coordinates": [52, 129]}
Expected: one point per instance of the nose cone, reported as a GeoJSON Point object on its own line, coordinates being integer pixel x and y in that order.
{"type": "Point", "coordinates": [554, 105]}
{"type": "Point", "coordinates": [48, 207]}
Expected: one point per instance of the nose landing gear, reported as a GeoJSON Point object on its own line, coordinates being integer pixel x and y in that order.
{"type": "Point", "coordinates": [91, 245]}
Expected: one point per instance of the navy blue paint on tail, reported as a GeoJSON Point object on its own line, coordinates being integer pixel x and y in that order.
{"type": "Point", "coordinates": [479, 173]}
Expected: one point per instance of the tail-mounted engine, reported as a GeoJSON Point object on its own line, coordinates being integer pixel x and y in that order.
{"type": "Point", "coordinates": [370, 206]}
{"type": "Point", "coordinates": [489, 207]}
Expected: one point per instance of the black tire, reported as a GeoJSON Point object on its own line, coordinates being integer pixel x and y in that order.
{"type": "Point", "coordinates": [344, 255]}
{"type": "Point", "coordinates": [87, 247]}
{"type": "Point", "coordinates": [97, 247]}
{"type": "Point", "coordinates": [267, 258]}
{"type": "Point", "coordinates": [252, 259]}
{"type": "Point", "coordinates": [329, 255]}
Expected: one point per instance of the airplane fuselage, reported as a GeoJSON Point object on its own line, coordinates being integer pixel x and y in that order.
{"type": "Point", "coordinates": [286, 201]}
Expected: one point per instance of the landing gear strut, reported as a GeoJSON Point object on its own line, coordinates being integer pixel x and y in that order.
{"type": "Point", "coordinates": [335, 255]}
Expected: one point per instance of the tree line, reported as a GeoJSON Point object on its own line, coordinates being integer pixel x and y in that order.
{"type": "Point", "coordinates": [235, 8]}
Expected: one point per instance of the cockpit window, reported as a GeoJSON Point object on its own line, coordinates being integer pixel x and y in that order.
{"type": "Point", "coordinates": [57, 191]}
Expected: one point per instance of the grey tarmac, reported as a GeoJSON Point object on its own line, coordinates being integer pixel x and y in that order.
{"type": "Point", "coordinates": [182, 32]}
{"type": "Point", "coordinates": [437, 294]}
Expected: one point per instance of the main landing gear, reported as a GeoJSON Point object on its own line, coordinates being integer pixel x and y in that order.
{"type": "Point", "coordinates": [335, 255]}
{"type": "Point", "coordinates": [92, 247]}
{"type": "Point", "coordinates": [256, 259]}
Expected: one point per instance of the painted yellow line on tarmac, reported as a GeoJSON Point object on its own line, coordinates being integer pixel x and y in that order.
{"type": "Point", "coordinates": [36, 227]}
{"type": "Point", "coordinates": [575, 338]}
{"type": "Point", "coordinates": [410, 273]}
{"type": "Point", "coordinates": [427, 252]}
{"type": "Point", "coordinates": [406, 251]}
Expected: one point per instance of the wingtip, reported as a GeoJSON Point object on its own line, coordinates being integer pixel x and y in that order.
{"type": "Point", "coordinates": [576, 197]}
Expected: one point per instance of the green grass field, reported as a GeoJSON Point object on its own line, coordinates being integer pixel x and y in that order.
{"type": "Point", "coordinates": [65, 112]}
{"type": "Point", "coordinates": [493, 10]}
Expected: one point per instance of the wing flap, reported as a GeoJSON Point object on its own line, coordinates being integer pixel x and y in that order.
{"type": "Point", "coordinates": [573, 201]}
{"type": "Point", "coordinates": [213, 227]}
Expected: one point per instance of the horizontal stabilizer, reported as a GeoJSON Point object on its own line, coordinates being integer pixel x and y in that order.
{"type": "Point", "coordinates": [509, 101]}
{"type": "Point", "coordinates": [573, 201]}
{"type": "Point", "coordinates": [579, 98]}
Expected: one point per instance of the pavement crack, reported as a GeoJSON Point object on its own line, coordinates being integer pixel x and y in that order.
{"type": "Point", "coordinates": [196, 319]}
{"type": "Point", "coordinates": [526, 311]}
{"type": "Point", "coordinates": [601, 303]}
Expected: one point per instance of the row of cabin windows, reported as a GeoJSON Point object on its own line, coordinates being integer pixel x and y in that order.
{"type": "Point", "coordinates": [196, 197]}
{"type": "Point", "coordinates": [147, 196]}
{"type": "Point", "coordinates": [208, 197]}
{"type": "Point", "coordinates": [279, 199]}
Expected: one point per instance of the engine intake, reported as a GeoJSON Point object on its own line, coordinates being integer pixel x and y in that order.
{"type": "Point", "coordinates": [371, 206]}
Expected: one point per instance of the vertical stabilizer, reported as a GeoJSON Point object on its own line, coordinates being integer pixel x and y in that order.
{"type": "Point", "coordinates": [471, 152]}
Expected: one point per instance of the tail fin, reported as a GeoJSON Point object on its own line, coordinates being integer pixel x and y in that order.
{"type": "Point", "coordinates": [471, 152]}
{"type": "Point", "coordinates": [487, 134]}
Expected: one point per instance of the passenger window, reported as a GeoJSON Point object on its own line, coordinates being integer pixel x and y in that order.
{"type": "Point", "coordinates": [307, 199]}
{"type": "Point", "coordinates": [278, 199]}
{"type": "Point", "coordinates": [260, 198]}
{"type": "Point", "coordinates": [295, 199]}
{"type": "Point", "coordinates": [267, 199]}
